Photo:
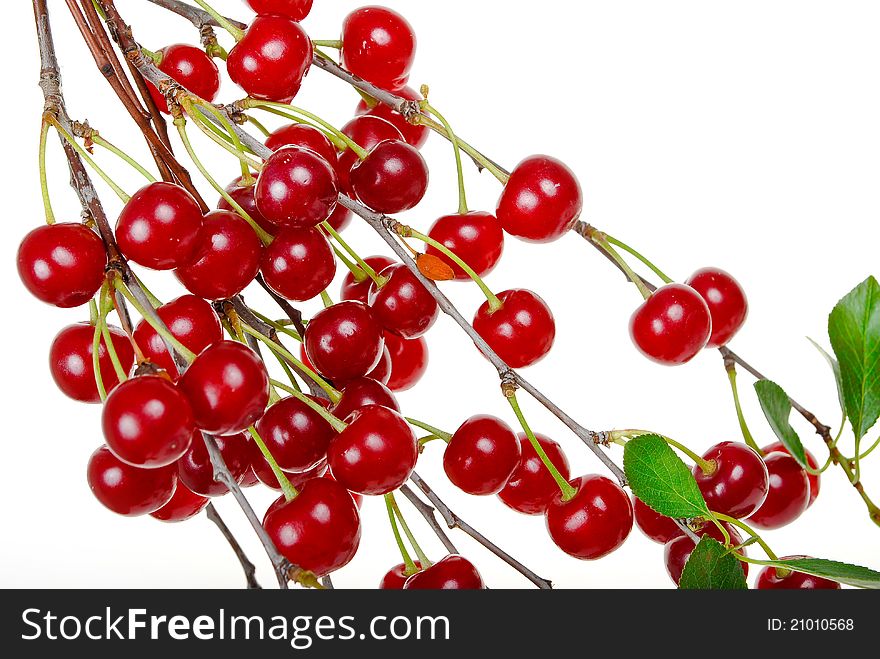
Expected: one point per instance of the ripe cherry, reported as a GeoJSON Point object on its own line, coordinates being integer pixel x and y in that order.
{"type": "Point", "coordinates": [482, 455]}
{"type": "Point", "coordinates": [396, 577]}
{"type": "Point", "coordinates": [296, 188]}
{"type": "Point", "coordinates": [299, 263]}
{"type": "Point", "coordinates": [594, 522]}
{"type": "Point", "coordinates": [344, 341]}
{"type": "Point", "coordinates": [147, 422]}
{"type": "Point", "coordinates": [62, 264]}
{"type": "Point", "coordinates": [415, 134]}
{"type": "Point", "coordinates": [403, 305]}
{"type": "Point", "coordinates": [352, 289]}
{"type": "Point", "coordinates": [378, 45]}
{"type": "Point", "coordinates": [184, 504]}
{"type": "Point", "coordinates": [192, 68]}
{"type": "Point", "coordinates": [319, 530]}
{"type": "Point", "coordinates": [361, 392]}
{"type": "Point", "coordinates": [72, 367]}
{"type": "Point", "coordinates": [541, 200]}
{"type": "Point", "coordinates": [727, 303]}
{"type": "Point", "coordinates": [739, 482]}
{"type": "Point", "coordinates": [305, 137]}
{"type": "Point", "coordinates": [357, 498]}
{"type": "Point", "coordinates": [789, 493]}
{"type": "Point", "coordinates": [295, 10]}
{"type": "Point", "coordinates": [264, 474]}
{"type": "Point", "coordinates": [190, 319]}
{"type": "Point", "coordinates": [453, 572]}
{"type": "Point", "coordinates": [672, 325]}
{"type": "Point", "coordinates": [815, 479]}
{"type": "Point", "coordinates": [128, 490]}
{"type": "Point", "coordinates": [272, 58]}
{"type": "Point", "coordinates": [227, 386]}
{"type": "Point", "coordinates": [531, 488]}
{"type": "Point", "coordinates": [382, 371]}
{"type": "Point", "coordinates": [475, 238]}
{"type": "Point", "coordinates": [250, 478]}
{"type": "Point", "coordinates": [341, 216]}
{"type": "Point", "coordinates": [375, 454]}
{"type": "Point", "coordinates": [226, 259]}
{"type": "Point", "coordinates": [770, 578]}
{"type": "Point", "coordinates": [678, 550]}
{"type": "Point", "coordinates": [391, 179]}
{"type": "Point", "coordinates": [521, 331]}
{"type": "Point", "coordinates": [657, 527]}
{"type": "Point", "coordinates": [366, 131]}
{"type": "Point", "coordinates": [296, 435]}
{"type": "Point", "coordinates": [244, 197]}
{"type": "Point", "coordinates": [196, 471]}
{"type": "Point", "coordinates": [409, 361]}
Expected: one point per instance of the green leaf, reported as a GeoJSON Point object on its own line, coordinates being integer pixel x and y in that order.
{"type": "Point", "coordinates": [851, 575]}
{"type": "Point", "coordinates": [711, 567]}
{"type": "Point", "coordinates": [777, 408]}
{"type": "Point", "coordinates": [660, 479]}
{"type": "Point", "coordinates": [835, 368]}
{"type": "Point", "coordinates": [854, 330]}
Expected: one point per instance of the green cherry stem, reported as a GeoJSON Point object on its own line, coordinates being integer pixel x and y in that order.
{"type": "Point", "coordinates": [44, 181]}
{"type": "Point", "coordinates": [258, 125]}
{"type": "Point", "coordinates": [286, 487]}
{"type": "Point", "coordinates": [708, 466]}
{"type": "Point", "coordinates": [340, 136]}
{"type": "Point", "coordinates": [462, 195]}
{"type": "Point", "coordinates": [445, 436]}
{"type": "Point", "coordinates": [287, 371]}
{"type": "Point", "coordinates": [96, 349]}
{"type": "Point", "coordinates": [106, 306]}
{"type": "Point", "coordinates": [747, 435]}
{"type": "Point", "coordinates": [160, 328]}
{"type": "Point", "coordinates": [363, 265]}
{"type": "Point", "coordinates": [423, 559]}
{"type": "Point", "coordinates": [337, 424]}
{"type": "Point", "coordinates": [657, 271]}
{"type": "Point", "coordinates": [601, 240]}
{"type": "Point", "coordinates": [748, 529]}
{"type": "Point", "coordinates": [476, 156]}
{"type": "Point", "coordinates": [154, 301]}
{"type": "Point", "coordinates": [338, 143]}
{"type": "Point", "coordinates": [409, 566]}
{"type": "Point", "coordinates": [355, 270]}
{"type": "Point", "coordinates": [100, 141]}
{"type": "Point", "coordinates": [326, 300]}
{"type": "Point", "coordinates": [154, 55]}
{"type": "Point", "coordinates": [327, 43]}
{"type": "Point", "coordinates": [246, 163]}
{"type": "Point", "coordinates": [278, 327]}
{"type": "Point", "coordinates": [236, 33]}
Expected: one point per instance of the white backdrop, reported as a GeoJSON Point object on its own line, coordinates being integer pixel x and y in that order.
{"type": "Point", "coordinates": [705, 133]}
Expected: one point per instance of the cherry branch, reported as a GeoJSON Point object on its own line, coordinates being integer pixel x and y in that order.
{"type": "Point", "coordinates": [246, 565]}
{"type": "Point", "coordinates": [427, 511]}
{"type": "Point", "coordinates": [195, 15]}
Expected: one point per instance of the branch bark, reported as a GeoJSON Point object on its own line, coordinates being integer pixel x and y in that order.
{"type": "Point", "coordinates": [250, 572]}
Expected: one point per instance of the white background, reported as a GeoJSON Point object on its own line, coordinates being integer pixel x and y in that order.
{"type": "Point", "coordinates": [742, 135]}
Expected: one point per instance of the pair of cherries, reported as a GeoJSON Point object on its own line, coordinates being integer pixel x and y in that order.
{"type": "Point", "coordinates": [452, 572]}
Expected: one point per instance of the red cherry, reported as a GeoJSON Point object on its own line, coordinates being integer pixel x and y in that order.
{"type": "Point", "coordinates": [739, 483]}
{"type": "Point", "coordinates": [540, 201]}
{"type": "Point", "coordinates": [453, 572]}
{"type": "Point", "coordinates": [250, 478]}
{"type": "Point", "coordinates": [396, 577]}
{"type": "Point", "coordinates": [482, 455]}
{"type": "Point", "coordinates": [382, 371]}
{"type": "Point", "coordinates": [415, 134]}
{"type": "Point", "coordinates": [678, 550]}
{"type": "Point", "coordinates": [192, 68]}
{"type": "Point", "coordinates": [366, 131]}
{"type": "Point", "coordinates": [305, 137]}
{"type": "Point", "coordinates": [409, 361]}
{"type": "Point", "coordinates": [340, 218]}
{"type": "Point", "coordinates": [228, 388]}
{"type": "Point", "coordinates": [531, 488]}
{"type": "Point", "coordinates": [378, 45]}
{"type": "Point", "coordinates": [319, 530]}
{"type": "Point", "coordinates": [392, 178]}
{"type": "Point", "coordinates": [244, 197]}
{"type": "Point", "coordinates": [357, 498]}
{"type": "Point", "coordinates": [344, 341]}
{"type": "Point", "coordinates": [296, 435]}
{"type": "Point", "coordinates": [361, 392]}
{"type": "Point", "coordinates": [196, 471]}
{"type": "Point", "coordinates": [299, 263]}
{"type": "Point", "coordinates": [375, 454]}
{"type": "Point", "coordinates": [770, 579]}
{"type": "Point", "coordinates": [475, 238]}
{"type": "Point", "coordinates": [815, 479]}
{"type": "Point", "coordinates": [522, 331]}
{"type": "Point", "coordinates": [293, 9]}
{"type": "Point", "coordinates": [594, 522]}
{"type": "Point", "coordinates": [296, 188]}
{"type": "Point", "coordinates": [657, 527]}
{"type": "Point", "coordinates": [62, 264]}
{"type": "Point", "coordinates": [184, 505]}
{"type": "Point", "coordinates": [71, 365]}
{"type": "Point", "coordinates": [264, 474]}
{"type": "Point", "coordinates": [128, 490]}
{"type": "Point", "coordinates": [147, 422]}
{"type": "Point", "coordinates": [272, 58]}
{"type": "Point", "coordinates": [789, 493]}
{"type": "Point", "coordinates": [672, 325]}
{"type": "Point", "coordinates": [726, 300]}
{"type": "Point", "coordinates": [190, 319]}
{"type": "Point", "coordinates": [352, 289]}
{"type": "Point", "coordinates": [403, 305]}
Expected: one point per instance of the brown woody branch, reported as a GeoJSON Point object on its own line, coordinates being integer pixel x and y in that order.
{"type": "Point", "coordinates": [250, 572]}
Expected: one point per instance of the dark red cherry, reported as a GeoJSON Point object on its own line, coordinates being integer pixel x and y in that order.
{"type": "Point", "coordinates": [738, 483]}
{"type": "Point", "coordinates": [250, 478]}
{"type": "Point", "coordinates": [382, 371]}
{"type": "Point", "coordinates": [196, 471]}
{"type": "Point", "coordinates": [296, 435]}
{"type": "Point", "coordinates": [366, 131]}
{"type": "Point", "coordinates": [340, 217]}
{"type": "Point", "coordinates": [159, 226]}
{"type": "Point", "coordinates": [415, 134]}
{"type": "Point", "coordinates": [672, 325]}
{"type": "Point", "coordinates": [378, 45]}
{"type": "Point", "coordinates": [357, 498]}
{"type": "Point", "coordinates": [344, 341]}
{"type": "Point", "coordinates": [361, 392]}
{"type": "Point", "coordinates": [192, 68]}
{"type": "Point", "coordinates": [815, 479]}
{"type": "Point", "coordinates": [594, 522]}
{"type": "Point", "coordinates": [72, 367]}
{"type": "Point", "coordinates": [531, 488]}
{"type": "Point", "coordinates": [265, 475]}
{"type": "Point", "coordinates": [319, 530]}
{"type": "Point", "coordinates": [522, 331]}
{"type": "Point", "coordinates": [657, 527]}
{"type": "Point", "coordinates": [299, 263]}
{"type": "Point", "coordinates": [244, 197]}
{"type": "Point", "coordinates": [453, 572]}
{"type": "Point", "coordinates": [184, 504]}
{"type": "Point", "coordinates": [771, 579]}
{"type": "Point", "coordinates": [396, 577]}
{"type": "Point", "coordinates": [789, 493]}
{"type": "Point", "coordinates": [352, 289]}
{"type": "Point", "coordinates": [403, 305]}
{"type": "Point", "coordinates": [228, 388]}
{"type": "Point", "coordinates": [409, 361]}
{"type": "Point", "coordinates": [391, 179]}
{"type": "Point", "coordinates": [727, 303]}
{"type": "Point", "coordinates": [293, 9]}
{"type": "Point", "coordinates": [541, 200]}
{"type": "Point", "coordinates": [482, 455]}
{"type": "Point", "coordinates": [305, 137]}
{"type": "Point", "coordinates": [128, 490]}
{"type": "Point", "coordinates": [296, 188]}
{"type": "Point", "coordinates": [190, 319]}
{"type": "Point", "coordinates": [375, 454]}
{"type": "Point", "coordinates": [62, 264]}
{"type": "Point", "coordinates": [678, 550]}
{"type": "Point", "coordinates": [272, 58]}
{"type": "Point", "coordinates": [475, 238]}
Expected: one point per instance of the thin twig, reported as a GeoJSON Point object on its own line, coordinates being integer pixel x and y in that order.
{"type": "Point", "coordinates": [250, 572]}
{"type": "Point", "coordinates": [195, 15]}
{"type": "Point", "coordinates": [427, 511]}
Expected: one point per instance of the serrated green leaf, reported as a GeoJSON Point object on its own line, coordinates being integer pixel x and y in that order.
{"type": "Point", "coordinates": [835, 368]}
{"type": "Point", "coordinates": [777, 408]}
{"type": "Point", "coordinates": [711, 567]}
{"type": "Point", "coordinates": [661, 479]}
{"type": "Point", "coordinates": [851, 575]}
{"type": "Point", "coordinates": [854, 330]}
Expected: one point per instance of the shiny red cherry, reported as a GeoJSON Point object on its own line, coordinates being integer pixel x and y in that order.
{"type": "Point", "coordinates": [192, 68]}
{"type": "Point", "coordinates": [521, 331]}
{"type": "Point", "coordinates": [672, 325]}
{"type": "Point", "coordinates": [678, 550]}
{"type": "Point", "coordinates": [378, 45]}
{"type": "Point", "coordinates": [789, 493]}
{"type": "Point", "coordinates": [244, 197]}
{"type": "Point", "coordinates": [415, 134]}
{"type": "Point", "coordinates": [482, 455]}
{"type": "Point", "coordinates": [359, 290]}
{"type": "Point", "coordinates": [344, 341]}
{"type": "Point", "coordinates": [296, 435]}
{"type": "Point", "coordinates": [196, 471]}
{"type": "Point", "coordinates": [657, 527]}
{"type": "Point", "coordinates": [770, 578]}
{"type": "Point", "coordinates": [382, 371]}
{"type": "Point", "coordinates": [128, 490]}
{"type": "Point", "coordinates": [299, 263]}
{"type": "Point", "coordinates": [361, 392]}
{"type": "Point", "coordinates": [409, 361]}
{"type": "Point", "coordinates": [531, 488]}
{"type": "Point", "coordinates": [72, 366]}
{"type": "Point", "coordinates": [264, 474]}
{"type": "Point", "coordinates": [366, 131]}
{"type": "Point", "coordinates": [305, 137]}
{"type": "Point", "coordinates": [815, 479]}
{"type": "Point", "coordinates": [453, 572]}
{"type": "Point", "coordinates": [62, 264]}
{"type": "Point", "coordinates": [293, 9]}
{"type": "Point", "coordinates": [357, 498]}
{"type": "Point", "coordinates": [727, 303]}
{"type": "Point", "coordinates": [403, 305]}
{"type": "Point", "coordinates": [184, 504]}
{"type": "Point", "coordinates": [738, 482]}
{"type": "Point", "coordinates": [476, 238]}
{"type": "Point", "coordinates": [391, 179]}
{"type": "Point", "coordinates": [396, 577]}
{"type": "Point", "coordinates": [296, 188]}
